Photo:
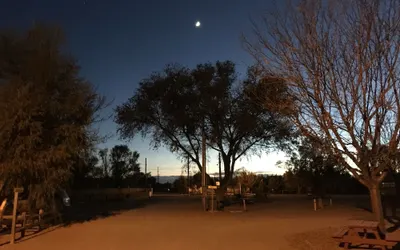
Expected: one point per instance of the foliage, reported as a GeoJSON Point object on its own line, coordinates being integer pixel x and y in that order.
{"type": "Point", "coordinates": [47, 111]}
{"type": "Point", "coordinates": [171, 107]}
{"type": "Point", "coordinates": [118, 167]}
{"type": "Point", "coordinates": [180, 184]}
{"type": "Point", "coordinates": [340, 63]}
{"type": "Point", "coordinates": [103, 153]}
{"type": "Point", "coordinates": [312, 168]}
{"type": "Point", "coordinates": [247, 179]}
{"type": "Point", "coordinates": [275, 183]}
{"type": "Point", "coordinates": [123, 163]}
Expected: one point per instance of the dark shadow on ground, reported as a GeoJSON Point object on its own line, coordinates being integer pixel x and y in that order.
{"type": "Point", "coordinates": [391, 216]}
{"type": "Point", "coordinates": [30, 234]}
{"type": "Point", "coordinates": [84, 211]}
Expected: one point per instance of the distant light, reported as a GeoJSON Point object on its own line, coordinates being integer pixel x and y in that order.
{"type": "Point", "coordinates": [198, 24]}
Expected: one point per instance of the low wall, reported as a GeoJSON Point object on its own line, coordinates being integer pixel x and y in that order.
{"type": "Point", "coordinates": [108, 193]}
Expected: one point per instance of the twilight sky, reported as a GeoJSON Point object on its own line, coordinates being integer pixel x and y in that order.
{"type": "Point", "coordinates": [119, 42]}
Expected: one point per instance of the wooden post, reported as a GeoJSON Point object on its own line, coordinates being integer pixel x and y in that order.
{"type": "Point", "coordinates": [212, 200]}
{"type": "Point", "coordinates": [244, 205]}
{"type": "Point", "coordinates": [330, 201]}
{"type": "Point", "coordinates": [14, 216]}
{"type": "Point", "coordinates": [315, 204]}
{"type": "Point", "coordinates": [41, 213]}
{"type": "Point", "coordinates": [23, 224]}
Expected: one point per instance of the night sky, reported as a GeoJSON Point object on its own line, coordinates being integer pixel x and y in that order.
{"type": "Point", "coordinates": [119, 42]}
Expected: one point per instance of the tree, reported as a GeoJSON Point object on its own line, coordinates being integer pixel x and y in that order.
{"type": "Point", "coordinates": [86, 167]}
{"type": "Point", "coordinates": [123, 162]}
{"type": "Point", "coordinates": [292, 181]}
{"type": "Point", "coordinates": [180, 184]}
{"type": "Point", "coordinates": [312, 167]}
{"type": "Point", "coordinates": [275, 183]}
{"type": "Point", "coordinates": [339, 61]}
{"type": "Point", "coordinates": [172, 106]}
{"type": "Point", "coordinates": [47, 111]}
{"type": "Point", "coordinates": [247, 179]}
{"type": "Point", "coordinates": [103, 153]}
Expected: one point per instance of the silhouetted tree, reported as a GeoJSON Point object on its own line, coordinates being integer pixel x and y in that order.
{"type": "Point", "coordinates": [275, 183]}
{"type": "Point", "coordinates": [292, 182]}
{"type": "Point", "coordinates": [84, 167]}
{"type": "Point", "coordinates": [246, 179]}
{"type": "Point", "coordinates": [340, 63]}
{"type": "Point", "coordinates": [180, 184]}
{"type": "Point", "coordinates": [105, 162]}
{"type": "Point", "coordinates": [312, 167]}
{"type": "Point", "coordinates": [47, 111]}
{"type": "Point", "coordinates": [172, 106]}
{"type": "Point", "coordinates": [123, 163]}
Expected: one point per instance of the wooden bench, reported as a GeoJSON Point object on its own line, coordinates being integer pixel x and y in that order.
{"type": "Point", "coordinates": [356, 234]}
{"type": "Point", "coordinates": [340, 233]}
{"type": "Point", "coordinates": [393, 237]}
{"type": "Point", "coordinates": [365, 241]}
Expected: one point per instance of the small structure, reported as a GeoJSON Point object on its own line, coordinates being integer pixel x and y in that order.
{"type": "Point", "coordinates": [360, 232]}
{"type": "Point", "coordinates": [212, 198]}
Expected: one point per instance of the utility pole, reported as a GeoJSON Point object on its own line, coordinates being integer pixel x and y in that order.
{"type": "Point", "coordinates": [158, 175]}
{"type": "Point", "coordinates": [203, 169]}
{"type": "Point", "coordinates": [188, 173]}
{"type": "Point", "coordinates": [145, 173]}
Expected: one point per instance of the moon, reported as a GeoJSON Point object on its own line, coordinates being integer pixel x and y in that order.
{"type": "Point", "coordinates": [197, 24]}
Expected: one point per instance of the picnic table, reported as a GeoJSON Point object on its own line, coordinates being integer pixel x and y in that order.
{"type": "Point", "coordinates": [362, 232]}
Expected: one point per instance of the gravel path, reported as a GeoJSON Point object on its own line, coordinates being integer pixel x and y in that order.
{"type": "Point", "coordinates": [177, 222]}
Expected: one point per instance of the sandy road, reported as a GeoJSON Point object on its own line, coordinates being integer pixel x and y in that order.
{"type": "Point", "coordinates": [177, 222]}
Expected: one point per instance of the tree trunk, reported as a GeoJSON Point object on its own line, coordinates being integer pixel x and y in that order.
{"type": "Point", "coordinates": [376, 205]}
{"type": "Point", "coordinates": [219, 167]}
{"type": "Point", "coordinates": [220, 194]}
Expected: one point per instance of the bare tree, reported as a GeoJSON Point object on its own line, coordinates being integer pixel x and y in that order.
{"type": "Point", "coordinates": [340, 62]}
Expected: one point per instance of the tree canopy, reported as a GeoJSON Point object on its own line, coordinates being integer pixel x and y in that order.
{"type": "Point", "coordinates": [340, 63]}
{"type": "Point", "coordinates": [47, 111]}
{"type": "Point", "coordinates": [118, 167]}
{"type": "Point", "coordinates": [123, 162]}
{"type": "Point", "coordinates": [172, 106]}
{"type": "Point", "coordinates": [311, 167]}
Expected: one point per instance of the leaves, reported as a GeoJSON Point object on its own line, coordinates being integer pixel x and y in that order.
{"type": "Point", "coordinates": [171, 107]}
{"type": "Point", "coordinates": [123, 162]}
{"type": "Point", "coordinates": [46, 111]}
{"type": "Point", "coordinates": [312, 167]}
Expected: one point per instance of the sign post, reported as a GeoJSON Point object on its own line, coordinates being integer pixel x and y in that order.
{"type": "Point", "coordinates": [212, 191]}
{"type": "Point", "coordinates": [14, 216]}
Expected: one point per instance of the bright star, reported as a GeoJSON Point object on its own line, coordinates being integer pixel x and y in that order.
{"type": "Point", "coordinates": [198, 24]}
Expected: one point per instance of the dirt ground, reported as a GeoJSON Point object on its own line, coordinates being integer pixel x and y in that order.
{"type": "Point", "coordinates": [178, 222]}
